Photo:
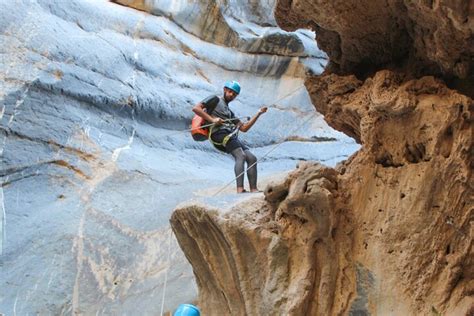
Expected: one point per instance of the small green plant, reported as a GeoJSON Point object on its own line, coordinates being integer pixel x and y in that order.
{"type": "Point", "coordinates": [435, 311]}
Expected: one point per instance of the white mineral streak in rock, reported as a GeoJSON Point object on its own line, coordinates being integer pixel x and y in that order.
{"type": "Point", "coordinates": [3, 222]}
{"type": "Point", "coordinates": [95, 98]}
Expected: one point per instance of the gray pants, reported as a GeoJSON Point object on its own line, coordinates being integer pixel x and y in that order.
{"type": "Point", "coordinates": [241, 157]}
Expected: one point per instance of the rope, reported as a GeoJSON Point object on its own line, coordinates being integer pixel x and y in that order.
{"type": "Point", "coordinates": [287, 95]}
{"type": "Point", "coordinates": [166, 272]}
{"type": "Point", "coordinates": [204, 126]}
{"type": "Point", "coordinates": [211, 124]}
{"type": "Point", "coordinates": [240, 117]}
{"type": "Point", "coordinates": [266, 154]}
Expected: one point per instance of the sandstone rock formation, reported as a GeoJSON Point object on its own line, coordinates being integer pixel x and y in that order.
{"type": "Point", "coordinates": [390, 230]}
{"type": "Point", "coordinates": [408, 190]}
{"type": "Point", "coordinates": [365, 35]}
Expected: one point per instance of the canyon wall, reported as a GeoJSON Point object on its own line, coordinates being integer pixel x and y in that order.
{"type": "Point", "coordinates": [96, 101]}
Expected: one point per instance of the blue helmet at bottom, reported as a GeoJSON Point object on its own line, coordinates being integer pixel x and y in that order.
{"type": "Point", "coordinates": [187, 310]}
{"type": "Point", "coordinates": [233, 85]}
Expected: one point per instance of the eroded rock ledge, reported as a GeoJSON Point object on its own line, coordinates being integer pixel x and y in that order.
{"type": "Point", "coordinates": [281, 255]}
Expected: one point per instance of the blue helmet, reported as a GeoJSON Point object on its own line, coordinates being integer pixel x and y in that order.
{"type": "Point", "coordinates": [234, 86]}
{"type": "Point", "coordinates": [187, 310]}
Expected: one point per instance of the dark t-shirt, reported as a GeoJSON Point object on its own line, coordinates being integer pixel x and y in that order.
{"type": "Point", "coordinates": [216, 106]}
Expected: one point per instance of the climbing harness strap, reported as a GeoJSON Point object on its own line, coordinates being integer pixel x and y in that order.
{"type": "Point", "coordinates": [226, 138]}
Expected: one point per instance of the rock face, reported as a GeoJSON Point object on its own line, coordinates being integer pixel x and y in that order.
{"type": "Point", "coordinates": [95, 100]}
{"type": "Point", "coordinates": [408, 189]}
{"type": "Point", "coordinates": [365, 35]}
{"type": "Point", "coordinates": [388, 231]}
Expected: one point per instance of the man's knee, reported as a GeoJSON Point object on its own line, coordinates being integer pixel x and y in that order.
{"type": "Point", "coordinates": [250, 158]}
{"type": "Point", "coordinates": [239, 154]}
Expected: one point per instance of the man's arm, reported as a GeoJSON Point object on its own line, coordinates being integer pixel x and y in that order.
{"type": "Point", "coordinates": [245, 127]}
{"type": "Point", "coordinates": [203, 106]}
{"type": "Point", "coordinates": [199, 110]}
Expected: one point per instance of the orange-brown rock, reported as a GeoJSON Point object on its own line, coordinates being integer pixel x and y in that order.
{"type": "Point", "coordinates": [408, 190]}
{"type": "Point", "coordinates": [362, 36]}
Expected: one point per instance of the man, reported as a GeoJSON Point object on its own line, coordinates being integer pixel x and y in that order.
{"type": "Point", "coordinates": [215, 109]}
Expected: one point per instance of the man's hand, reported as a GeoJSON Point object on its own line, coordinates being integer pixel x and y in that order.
{"type": "Point", "coordinates": [217, 121]}
{"type": "Point", "coordinates": [245, 127]}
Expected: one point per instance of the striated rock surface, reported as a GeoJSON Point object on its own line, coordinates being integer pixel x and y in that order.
{"type": "Point", "coordinates": [248, 26]}
{"type": "Point", "coordinates": [95, 100]}
{"type": "Point", "coordinates": [390, 230]}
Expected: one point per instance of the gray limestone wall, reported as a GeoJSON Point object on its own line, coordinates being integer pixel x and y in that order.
{"type": "Point", "coordinates": [95, 102]}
